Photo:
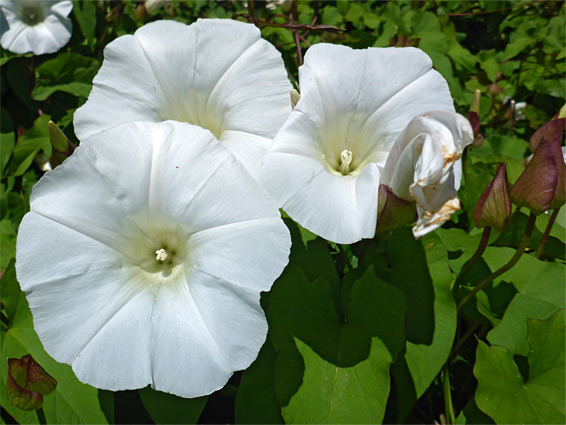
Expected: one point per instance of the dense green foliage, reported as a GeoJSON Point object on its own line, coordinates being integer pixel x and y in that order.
{"type": "Point", "coordinates": [366, 333]}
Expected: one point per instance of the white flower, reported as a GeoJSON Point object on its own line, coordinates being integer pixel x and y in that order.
{"type": "Point", "coordinates": [424, 165]}
{"type": "Point", "coordinates": [325, 163]}
{"type": "Point", "coordinates": [156, 243]}
{"type": "Point", "coordinates": [218, 74]}
{"type": "Point", "coordinates": [38, 26]}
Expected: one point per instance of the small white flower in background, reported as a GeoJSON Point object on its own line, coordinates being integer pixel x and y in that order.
{"type": "Point", "coordinates": [156, 243]}
{"type": "Point", "coordinates": [424, 166]}
{"type": "Point", "coordinates": [325, 164]}
{"type": "Point", "coordinates": [218, 74]}
{"type": "Point", "coordinates": [38, 26]}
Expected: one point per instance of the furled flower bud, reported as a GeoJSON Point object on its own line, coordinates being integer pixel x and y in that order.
{"type": "Point", "coordinates": [27, 383]}
{"type": "Point", "coordinates": [393, 211]}
{"type": "Point", "coordinates": [541, 186]}
{"type": "Point", "coordinates": [494, 206]}
{"type": "Point", "coordinates": [551, 131]}
{"type": "Point", "coordinates": [62, 147]}
{"type": "Point", "coordinates": [474, 118]}
{"type": "Point", "coordinates": [148, 8]}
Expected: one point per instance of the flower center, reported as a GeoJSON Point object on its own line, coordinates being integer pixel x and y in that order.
{"type": "Point", "coordinates": [208, 118]}
{"type": "Point", "coordinates": [155, 249]}
{"type": "Point", "coordinates": [32, 15]}
{"type": "Point", "coordinates": [161, 255]}
{"type": "Point", "coordinates": [345, 161]}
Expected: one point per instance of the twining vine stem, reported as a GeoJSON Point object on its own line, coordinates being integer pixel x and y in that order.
{"type": "Point", "coordinates": [507, 266]}
{"type": "Point", "coordinates": [547, 232]}
{"type": "Point", "coordinates": [479, 252]}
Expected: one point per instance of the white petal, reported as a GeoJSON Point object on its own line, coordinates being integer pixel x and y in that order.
{"type": "Point", "coordinates": [76, 254]}
{"type": "Point", "coordinates": [218, 74]}
{"type": "Point", "coordinates": [16, 39]}
{"type": "Point", "coordinates": [334, 91]}
{"type": "Point", "coordinates": [202, 332]}
{"type": "Point", "coordinates": [62, 8]}
{"type": "Point", "coordinates": [94, 191]}
{"type": "Point", "coordinates": [231, 252]}
{"type": "Point", "coordinates": [118, 356]}
{"type": "Point", "coordinates": [51, 35]}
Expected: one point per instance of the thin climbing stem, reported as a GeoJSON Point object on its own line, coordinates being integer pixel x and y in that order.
{"type": "Point", "coordinates": [41, 416]}
{"type": "Point", "coordinates": [507, 266]}
{"type": "Point", "coordinates": [477, 255]}
{"type": "Point", "coordinates": [547, 232]}
{"type": "Point", "coordinates": [345, 257]}
{"type": "Point", "coordinates": [448, 407]}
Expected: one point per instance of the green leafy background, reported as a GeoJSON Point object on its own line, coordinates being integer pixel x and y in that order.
{"type": "Point", "coordinates": [366, 333]}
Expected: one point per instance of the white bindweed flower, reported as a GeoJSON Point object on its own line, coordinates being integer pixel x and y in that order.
{"type": "Point", "coordinates": [156, 243]}
{"type": "Point", "coordinates": [325, 163]}
{"type": "Point", "coordinates": [424, 166]}
{"type": "Point", "coordinates": [217, 74]}
{"type": "Point", "coordinates": [38, 26]}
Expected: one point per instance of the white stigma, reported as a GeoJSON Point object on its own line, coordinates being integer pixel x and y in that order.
{"type": "Point", "coordinates": [161, 255]}
{"type": "Point", "coordinates": [345, 161]}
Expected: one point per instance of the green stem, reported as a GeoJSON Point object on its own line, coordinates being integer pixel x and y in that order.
{"type": "Point", "coordinates": [41, 416]}
{"type": "Point", "coordinates": [479, 252]}
{"type": "Point", "coordinates": [463, 339]}
{"type": "Point", "coordinates": [503, 269]}
{"type": "Point", "coordinates": [450, 419]}
{"type": "Point", "coordinates": [345, 257]}
{"type": "Point", "coordinates": [546, 232]}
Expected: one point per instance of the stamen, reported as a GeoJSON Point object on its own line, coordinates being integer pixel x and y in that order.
{"type": "Point", "coordinates": [345, 161]}
{"type": "Point", "coordinates": [161, 255]}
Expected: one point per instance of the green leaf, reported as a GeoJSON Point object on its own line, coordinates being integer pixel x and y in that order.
{"type": "Point", "coordinates": [165, 408]}
{"type": "Point", "coordinates": [506, 396]}
{"type": "Point", "coordinates": [369, 338]}
{"type": "Point", "coordinates": [420, 269]}
{"type": "Point", "coordinates": [532, 277]}
{"type": "Point", "coordinates": [29, 144]}
{"type": "Point", "coordinates": [332, 16]}
{"type": "Point", "coordinates": [257, 401]}
{"type": "Point", "coordinates": [18, 76]}
{"type": "Point", "coordinates": [472, 415]}
{"type": "Point", "coordinates": [7, 242]}
{"type": "Point", "coordinates": [72, 401]}
{"type": "Point", "coordinates": [339, 395]}
{"type": "Point", "coordinates": [85, 13]}
{"type": "Point", "coordinates": [491, 67]}
{"type": "Point", "coordinates": [511, 332]}
{"type": "Point", "coordinates": [7, 139]}
{"type": "Point", "coordinates": [68, 72]}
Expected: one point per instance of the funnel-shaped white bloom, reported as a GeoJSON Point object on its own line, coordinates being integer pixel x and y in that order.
{"type": "Point", "coordinates": [38, 26]}
{"type": "Point", "coordinates": [155, 244]}
{"type": "Point", "coordinates": [424, 166]}
{"type": "Point", "coordinates": [325, 163]}
{"type": "Point", "coordinates": [217, 74]}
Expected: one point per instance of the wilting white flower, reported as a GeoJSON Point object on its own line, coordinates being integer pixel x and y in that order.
{"type": "Point", "coordinates": [424, 166]}
{"type": "Point", "coordinates": [218, 74]}
{"type": "Point", "coordinates": [38, 26]}
{"type": "Point", "coordinates": [325, 163]}
{"type": "Point", "coordinates": [155, 244]}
